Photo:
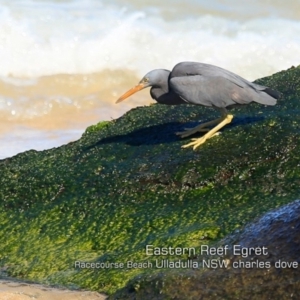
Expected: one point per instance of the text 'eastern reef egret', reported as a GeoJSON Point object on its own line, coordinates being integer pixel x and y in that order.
{"type": "Point", "coordinates": [203, 84]}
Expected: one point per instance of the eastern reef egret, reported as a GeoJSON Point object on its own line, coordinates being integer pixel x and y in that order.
{"type": "Point", "coordinates": [203, 84]}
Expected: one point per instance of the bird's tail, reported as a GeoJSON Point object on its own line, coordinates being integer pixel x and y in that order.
{"type": "Point", "coordinates": [272, 93]}
{"type": "Point", "coordinates": [267, 95]}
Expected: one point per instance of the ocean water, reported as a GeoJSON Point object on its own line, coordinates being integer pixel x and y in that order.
{"type": "Point", "coordinates": [64, 63]}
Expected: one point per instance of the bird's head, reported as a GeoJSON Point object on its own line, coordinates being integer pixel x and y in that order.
{"type": "Point", "coordinates": [154, 78]}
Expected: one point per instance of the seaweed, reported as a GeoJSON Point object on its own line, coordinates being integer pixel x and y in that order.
{"type": "Point", "coordinates": [128, 183]}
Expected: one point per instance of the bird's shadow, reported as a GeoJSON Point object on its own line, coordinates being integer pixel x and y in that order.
{"type": "Point", "coordinates": [165, 133]}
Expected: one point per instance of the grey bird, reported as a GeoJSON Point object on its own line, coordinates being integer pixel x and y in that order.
{"type": "Point", "coordinates": [203, 84]}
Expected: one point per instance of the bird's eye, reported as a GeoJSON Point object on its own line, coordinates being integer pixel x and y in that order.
{"type": "Point", "coordinates": [146, 80]}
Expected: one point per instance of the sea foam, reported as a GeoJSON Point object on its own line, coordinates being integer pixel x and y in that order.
{"type": "Point", "coordinates": [45, 38]}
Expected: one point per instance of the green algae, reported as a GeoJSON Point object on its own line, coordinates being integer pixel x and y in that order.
{"type": "Point", "coordinates": [127, 184]}
{"type": "Point", "coordinates": [96, 127]}
{"type": "Point", "coordinates": [277, 231]}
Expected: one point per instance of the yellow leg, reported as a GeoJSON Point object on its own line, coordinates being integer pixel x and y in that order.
{"type": "Point", "coordinates": [199, 141]}
{"type": "Point", "coordinates": [199, 128]}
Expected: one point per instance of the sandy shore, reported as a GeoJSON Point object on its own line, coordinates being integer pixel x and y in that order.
{"type": "Point", "coordinates": [14, 290]}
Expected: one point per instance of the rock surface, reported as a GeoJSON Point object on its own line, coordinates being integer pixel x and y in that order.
{"type": "Point", "coordinates": [277, 231]}
{"type": "Point", "coordinates": [127, 183]}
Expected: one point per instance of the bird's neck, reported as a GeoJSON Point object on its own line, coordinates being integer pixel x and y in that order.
{"type": "Point", "coordinates": [158, 91]}
{"type": "Point", "coordinates": [164, 96]}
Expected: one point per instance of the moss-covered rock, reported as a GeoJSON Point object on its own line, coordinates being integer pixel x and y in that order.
{"type": "Point", "coordinates": [261, 262]}
{"type": "Point", "coordinates": [128, 184]}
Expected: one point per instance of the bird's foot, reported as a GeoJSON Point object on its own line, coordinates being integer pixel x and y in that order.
{"type": "Point", "coordinates": [195, 143]}
{"type": "Point", "coordinates": [199, 141]}
{"type": "Point", "coordinates": [200, 128]}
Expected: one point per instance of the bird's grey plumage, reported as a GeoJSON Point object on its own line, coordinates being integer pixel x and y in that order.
{"type": "Point", "coordinates": [159, 80]}
{"type": "Point", "coordinates": [209, 85]}
{"type": "Point", "coordinates": [203, 84]}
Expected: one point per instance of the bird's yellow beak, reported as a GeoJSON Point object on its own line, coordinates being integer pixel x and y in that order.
{"type": "Point", "coordinates": [131, 91]}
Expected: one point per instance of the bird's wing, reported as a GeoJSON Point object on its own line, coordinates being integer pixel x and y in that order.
{"type": "Point", "coordinates": [219, 83]}
{"type": "Point", "coordinates": [210, 90]}
{"type": "Point", "coordinates": [195, 68]}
